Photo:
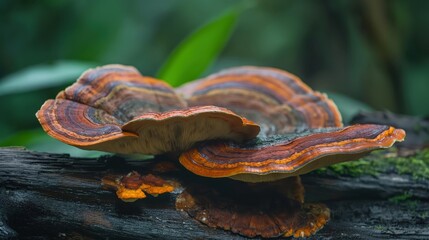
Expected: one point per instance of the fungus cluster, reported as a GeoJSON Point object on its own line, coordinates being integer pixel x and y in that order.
{"type": "Point", "coordinates": [261, 126]}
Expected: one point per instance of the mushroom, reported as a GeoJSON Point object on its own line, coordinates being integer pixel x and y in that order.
{"type": "Point", "coordinates": [270, 200]}
{"type": "Point", "coordinates": [115, 109]}
{"type": "Point", "coordinates": [276, 100]}
{"type": "Point", "coordinates": [264, 210]}
{"type": "Point", "coordinates": [272, 165]}
{"type": "Point", "coordinates": [301, 130]}
{"type": "Point", "coordinates": [133, 186]}
{"type": "Point", "coordinates": [273, 158]}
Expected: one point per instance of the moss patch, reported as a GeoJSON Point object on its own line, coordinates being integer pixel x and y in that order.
{"type": "Point", "coordinates": [378, 162]}
{"type": "Point", "coordinates": [401, 198]}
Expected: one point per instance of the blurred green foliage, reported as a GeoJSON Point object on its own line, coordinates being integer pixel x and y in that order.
{"type": "Point", "coordinates": [368, 54]}
{"type": "Point", "coordinates": [189, 60]}
{"type": "Point", "coordinates": [42, 76]}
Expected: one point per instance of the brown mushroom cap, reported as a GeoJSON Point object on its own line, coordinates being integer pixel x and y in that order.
{"type": "Point", "coordinates": [275, 99]}
{"type": "Point", "coordinates": [311, 137]}
{"type": "Point", "coordinates": [288, 155]}
{"type": "Point", "coordinates": [115, 109]}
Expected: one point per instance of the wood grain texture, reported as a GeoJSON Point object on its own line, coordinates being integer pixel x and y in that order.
{"type": "Point", "coordinates": [55, 196]}
{"type": "Point", "coordinates": [113, 108]}
{"type": "Point", "coordinates": [288, 155]}
{"type": "Point", "coordinates": [275, 99]}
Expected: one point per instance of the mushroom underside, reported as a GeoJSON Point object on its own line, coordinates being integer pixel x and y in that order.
{"type": "Point", "coordinates": [254, 210]}
{"type": "Point", "coordinates": [150, 133]}
{"type": "Point", "coordinates": [114, 108]}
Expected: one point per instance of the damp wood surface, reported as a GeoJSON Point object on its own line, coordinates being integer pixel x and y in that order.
{"type": "Point", "coordinates": [54, 196]}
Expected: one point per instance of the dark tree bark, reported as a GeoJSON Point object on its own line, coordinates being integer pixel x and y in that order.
{"type": "Point", "coordinates": [53, 196]}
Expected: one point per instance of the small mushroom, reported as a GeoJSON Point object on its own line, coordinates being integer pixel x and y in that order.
{"type": "Point", "coordinates": [115, 109]}
{"type": "Point", "coordinates": [275, 99]}
{"type": "Point", "coordinates": [272, 158]}
{"type": "Point", "coordinates": [133, 186]}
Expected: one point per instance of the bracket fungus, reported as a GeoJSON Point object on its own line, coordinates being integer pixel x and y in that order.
{"type": "Point", "coordinates": [214, 123]}
{"type": "Point", "coordinates": [272, 158]}
{"type": "Point", "coordinates": [276, 100]}
{"type": "Point", "coordinates": [115, 109]}
{"type": "Point", "coordinates": [133, 186]}
{"type": "Point", "coordinates": [301, 130]}
{"type": "Point", "coordinates": [266, 210]}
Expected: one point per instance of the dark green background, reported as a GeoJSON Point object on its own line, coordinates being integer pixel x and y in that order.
{"type": "Point", "coordinates": [372, 51]}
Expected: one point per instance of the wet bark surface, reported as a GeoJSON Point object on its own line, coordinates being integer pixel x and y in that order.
{"type": "Point", "coordinates": [52, 196]}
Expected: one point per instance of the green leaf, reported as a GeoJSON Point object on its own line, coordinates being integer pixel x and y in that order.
{"type": "Point", "coordinates": [38, 140]}
{"type": "Point", "coordinates": [192, 57]}
{"type": "Point", "coordinates": [348, 106]}
{"type": "Point", "coordinates": [42, 76]}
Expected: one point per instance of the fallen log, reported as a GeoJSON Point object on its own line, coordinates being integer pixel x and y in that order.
{"type": "Point", "coordinates": [48, 196]}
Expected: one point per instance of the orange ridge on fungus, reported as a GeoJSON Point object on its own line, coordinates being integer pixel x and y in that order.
{"type": "Point", "coordinates": [291, 156]}
{"type": "Point", "coordinates": [133, 186]}
{"type": "Point", "coordinates": [277, 100]}
{"type": "Point", "coordinates": [113, 108]}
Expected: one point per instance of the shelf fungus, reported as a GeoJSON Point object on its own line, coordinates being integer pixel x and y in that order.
{"type": "Point", "coordinates": [263, 161]}
{"type": "Point", "coordinates": [301, 130]}
{"type": "Point", "coordinates": [276, 100]}
{"type": "Point", "coordinates": [214, 123]}
{"type": "Point", "coordinates": [133, 186]}
{"type": "Point", "coordinates": [115, 109]}
{"type": "Point", "coordinates": [254, 210]}
{"type": "Point", "coordinates": [293, 154]}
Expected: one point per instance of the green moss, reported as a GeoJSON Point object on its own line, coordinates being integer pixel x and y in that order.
{"type": "Point", "coordinates": [406, 199]}
{"type": "Point", "coordinates": [418, 168]}
{"type": "Point", "coordinates": [383, 162]}
{"type": "Point", "coordinates": [354, 168]}
{"type": "Point", "coordinates": [380, 228]}
{"type": "Point", "coordinates": [423, 215]}
{"type": "Point", "coordinates": [401, 198]}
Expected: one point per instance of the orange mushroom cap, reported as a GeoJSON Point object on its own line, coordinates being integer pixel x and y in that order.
{"type": "Point", "coordinates": [133, 186]}
{"type": "Point", "coordinates": [275, 99]}
{"type": "Point", "coordinates": [288, 155]}
{"type": "Point", "coordinates": [115, 109]}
